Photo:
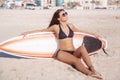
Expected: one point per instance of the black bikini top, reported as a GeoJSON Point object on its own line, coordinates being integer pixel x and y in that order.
{"type": "Point", "coordinates": [62, 35]}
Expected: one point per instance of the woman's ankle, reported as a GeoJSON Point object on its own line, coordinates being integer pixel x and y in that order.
{"type": "Point", "coordinates": [91, 68]}
{"type": "Point", "coordinates": [90, 73]}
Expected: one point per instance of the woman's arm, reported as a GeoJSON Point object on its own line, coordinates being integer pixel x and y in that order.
{"type": "Point", "coordinates": [50, 29]}
{"type": "Point", "coordinates": [78, 30]}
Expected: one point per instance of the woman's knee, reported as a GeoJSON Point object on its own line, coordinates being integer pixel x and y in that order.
{"type": "Point", "coordinates": [81, 48]}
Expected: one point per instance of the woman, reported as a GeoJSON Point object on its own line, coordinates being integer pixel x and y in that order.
{"type": "Point", "coordinates": [64, 32]}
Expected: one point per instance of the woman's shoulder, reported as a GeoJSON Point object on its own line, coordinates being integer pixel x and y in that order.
{"type": "Point", "coordinates": [55, 25]}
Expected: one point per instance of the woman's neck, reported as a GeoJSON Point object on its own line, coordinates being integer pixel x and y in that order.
{"type": "Point", "coordinates": [63, 23]}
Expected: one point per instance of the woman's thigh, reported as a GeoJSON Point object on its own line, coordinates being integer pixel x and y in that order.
{"type": "Point", "coordinates": [66, 57]}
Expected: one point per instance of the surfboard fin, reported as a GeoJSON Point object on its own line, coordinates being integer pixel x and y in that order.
{"type": "Point", "coordinates": [105, 52]}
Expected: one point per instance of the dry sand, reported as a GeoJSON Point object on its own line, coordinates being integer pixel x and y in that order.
{"type": "Point", "coordinates": [103, 22]}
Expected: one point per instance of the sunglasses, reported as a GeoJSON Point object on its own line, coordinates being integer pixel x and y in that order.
{"type": "Point", "coordinates": [64, 14]}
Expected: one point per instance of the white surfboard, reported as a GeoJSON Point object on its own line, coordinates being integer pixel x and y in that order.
{"type": "Point", "coordinates": [40, 45]}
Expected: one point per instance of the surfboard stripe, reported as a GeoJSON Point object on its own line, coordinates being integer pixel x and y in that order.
{"type": "Point", "coordinates": [31, 54]}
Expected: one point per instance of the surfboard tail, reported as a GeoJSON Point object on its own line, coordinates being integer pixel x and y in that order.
{"type": "Point", "coordinates": [104, 46]}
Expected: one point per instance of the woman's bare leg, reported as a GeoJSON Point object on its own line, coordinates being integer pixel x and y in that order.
{"type": "Point", "coordinates": [81, 52]}
{"type": "Point", "coordinates": [72, 60]}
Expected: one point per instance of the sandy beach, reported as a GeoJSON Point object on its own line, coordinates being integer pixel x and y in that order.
{"type": "Point", "coordinates": [103, 22]}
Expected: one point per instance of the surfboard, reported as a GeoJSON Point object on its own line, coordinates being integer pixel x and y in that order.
{"type": "Point", "coordinates": [45, 45]}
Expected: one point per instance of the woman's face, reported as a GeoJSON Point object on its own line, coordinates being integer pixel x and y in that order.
{"type": "Point", "coordinates": [63, 16]}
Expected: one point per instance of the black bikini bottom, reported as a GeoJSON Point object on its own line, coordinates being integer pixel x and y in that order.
{"type": "Point", "coordinates": [71, 52]}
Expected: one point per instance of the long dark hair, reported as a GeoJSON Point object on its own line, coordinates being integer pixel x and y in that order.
{"type": "Point", "coordinates": [55, 17]}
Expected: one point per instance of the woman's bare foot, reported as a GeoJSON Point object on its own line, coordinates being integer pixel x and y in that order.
{"type": "Point", "coordinates": [96, 75]}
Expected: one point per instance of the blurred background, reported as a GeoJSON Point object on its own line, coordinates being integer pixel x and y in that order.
{"type": "Point", "coordinates": [67, 4]}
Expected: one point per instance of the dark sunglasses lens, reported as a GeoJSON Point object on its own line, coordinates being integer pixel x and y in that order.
{"type": "Point", "coordinates": [64, 14]}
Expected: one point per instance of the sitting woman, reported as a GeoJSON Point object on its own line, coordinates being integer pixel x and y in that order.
{"type": "Point", "coordinates": [64, 32]}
